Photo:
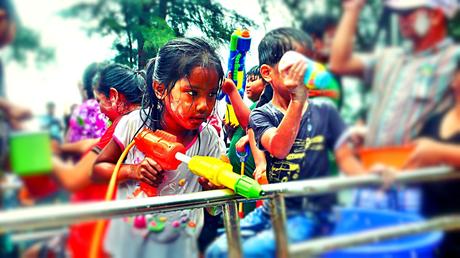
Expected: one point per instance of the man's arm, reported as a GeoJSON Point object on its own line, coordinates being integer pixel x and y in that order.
{"type": "Point", "coordinates": [342, 60]}
{"type": "Point", "coordinates": [347, 161]}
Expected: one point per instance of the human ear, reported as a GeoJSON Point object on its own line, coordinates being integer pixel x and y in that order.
{"type": "Point", "coordinates": [266, 72]}
{"type": "Point", "coordinates": [159, 89]}
{"type": "Point", "coordinates": [113, 96]}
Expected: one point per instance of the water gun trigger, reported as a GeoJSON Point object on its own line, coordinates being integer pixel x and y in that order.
{"type": "Point", "coordinates": [243, 155]}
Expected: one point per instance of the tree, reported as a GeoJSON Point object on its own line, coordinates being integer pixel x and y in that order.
{"type": "Point", "coordinates": [28, 41]}
{"type": "Point", "coordinates": [454, 27]}
{"type": "Point", "coordinates": [142, 26]}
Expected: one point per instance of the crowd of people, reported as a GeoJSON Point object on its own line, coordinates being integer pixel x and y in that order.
{"type": "Point", "coordinates": [289, 135]}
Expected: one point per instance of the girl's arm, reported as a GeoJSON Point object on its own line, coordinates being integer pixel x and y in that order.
{"type": "Point", "coordinates": [241, 110]}
{"type": "Point", "coordinates": [431, 153]}
{"type": "Point", "coordinates": [105, 164]}
{"type": "Point", "coordinates": [74, 177]}
{"type": "Point", "coordinates": [79, 147]}
{"type": "Point", "coordinates": [148, 171]}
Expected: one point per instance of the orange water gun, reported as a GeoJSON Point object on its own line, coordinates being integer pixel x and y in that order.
{"type": "Point", "coordinates": [161, 147]}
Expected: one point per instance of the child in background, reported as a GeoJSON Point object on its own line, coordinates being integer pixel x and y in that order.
{"type": "Point", "coordinates": [295, 136]}
{"type": "Point", "coordinates": [118, 90]}
{"type": "Point", "coordinates": [87, 121]}
{"type": "Point", "coordinates": [254, 88]}
{"type": "Point", "coordinates": [186, 79]}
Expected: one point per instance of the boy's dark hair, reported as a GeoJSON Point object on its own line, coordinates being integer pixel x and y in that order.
{"type": "Point", "coordinates": [316, 25]}
{"type": "Point", "coordinates": [176, 60]}
{"type": "Point", "coordinates": [88, 77]}
{"type": "Point", "coordinates": [279, 41]}
{"type": "Point", "coordinates": [254, 71]}
{"type": "Point", "coordinates": [122, 78]}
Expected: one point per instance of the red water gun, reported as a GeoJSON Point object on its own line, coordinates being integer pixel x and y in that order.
{"type": "Point", "coordinates": [161, 147]}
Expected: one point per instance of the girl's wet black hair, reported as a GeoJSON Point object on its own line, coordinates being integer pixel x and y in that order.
{"type": "Point", "coordinates": [279, 41]}
{"type": "Point", "coordinates": [126, 81]}
{"type": "Point", "coordinates": [88, 79]}
{"type": "Point", "coordinates": [176, 60]}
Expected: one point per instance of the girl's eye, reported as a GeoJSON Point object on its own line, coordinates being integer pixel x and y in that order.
{"type": "Point", "coordinates": [212, 94]}
{"type": "Point", "coordinates": [192, 93]}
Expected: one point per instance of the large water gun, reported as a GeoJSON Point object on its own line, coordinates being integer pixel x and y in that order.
{"type": "Point", "coordinates": [240, 43]}
{"type": "Point", "coordinates": [221, 173]}
{"type": "Point", "coordinates": [161, 147]}
{"type": "Point", "coordinates": [164, 149]}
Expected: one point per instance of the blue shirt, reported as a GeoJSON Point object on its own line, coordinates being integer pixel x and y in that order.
{"type": "Point", "coordinates": [320, 128]}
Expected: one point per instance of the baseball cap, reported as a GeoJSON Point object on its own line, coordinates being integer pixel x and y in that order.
{"type": "Point", "coordinates": [449, 7]}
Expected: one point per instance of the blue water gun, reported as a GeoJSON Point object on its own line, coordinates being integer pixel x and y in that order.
{"type": "Point", "coordinates": [240, 43]}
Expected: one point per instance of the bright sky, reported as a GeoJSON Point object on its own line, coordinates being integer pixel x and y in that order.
{"type": "Point", "coordinates": [57, 81]}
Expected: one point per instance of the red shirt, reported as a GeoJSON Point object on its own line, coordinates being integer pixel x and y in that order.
{"type": "Point", "coordinates": [81, 235]}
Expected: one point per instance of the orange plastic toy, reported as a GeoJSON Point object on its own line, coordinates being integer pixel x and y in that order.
{"type": "Point", "coordinates": [162, 147]}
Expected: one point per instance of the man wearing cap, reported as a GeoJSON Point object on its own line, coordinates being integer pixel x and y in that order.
{"type": "Point", "coordinates": [408, 84]}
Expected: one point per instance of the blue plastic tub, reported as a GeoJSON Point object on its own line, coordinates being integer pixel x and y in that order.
{"type": "Point", "coordinates": [356, 220]}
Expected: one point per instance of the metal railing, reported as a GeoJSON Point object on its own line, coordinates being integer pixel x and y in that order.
{"type": "Point", "coordinates": [43, 217]}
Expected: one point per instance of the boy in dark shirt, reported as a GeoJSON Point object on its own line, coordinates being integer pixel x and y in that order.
{"type": "Point", "coordinates": [295, 136]}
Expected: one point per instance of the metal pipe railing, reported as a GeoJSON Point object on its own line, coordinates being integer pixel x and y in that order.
{"type": "Point", "coordinates": [46, 216]}
{"type": "Point", "coordinates": [232, 229]}
{"type": "Point", "coordinates": [38, 235]}
{"type": "Point", "coordinates": [312, 248]}
{"type": "Point", "coordinates": [278, 216]}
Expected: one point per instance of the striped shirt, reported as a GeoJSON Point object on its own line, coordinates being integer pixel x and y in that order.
{"type": "Point", "coordinates": [406, 89]}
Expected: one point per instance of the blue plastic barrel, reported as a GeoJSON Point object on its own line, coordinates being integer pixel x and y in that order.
{"type": "Point", "coordinates": [354, 220]}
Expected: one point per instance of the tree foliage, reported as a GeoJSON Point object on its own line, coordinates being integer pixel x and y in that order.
{"type": "Point", "coordinates": [454, 27]}
{"type": "Point", "coordinates": [142, 26]}
{"type": "Point", "coordinates": [28, 41]}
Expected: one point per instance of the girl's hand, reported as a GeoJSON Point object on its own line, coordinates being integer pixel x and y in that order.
{"type": "Point", "coordinates": [424, 154]}
{"type": "Point", "coordinates": [260, 174]}
{"type": "Point", "coordinates": [207, 185]}
{"type": "Point", "coordinates": [228, 86]}
{"type": "Point", "coordinates": [241, 143]}
{"type": "Point", "coordinates": [150, 172]}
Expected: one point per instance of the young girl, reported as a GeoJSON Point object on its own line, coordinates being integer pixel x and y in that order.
{"type": "Point", "coordinates": [186, 79]}
{"type": "Point", "coordinates": [118, 90]}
